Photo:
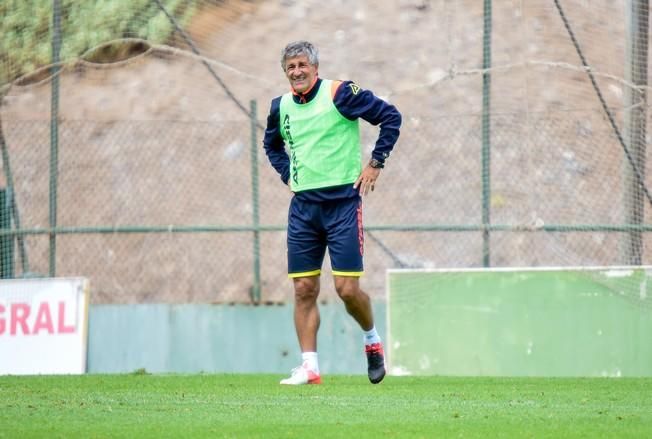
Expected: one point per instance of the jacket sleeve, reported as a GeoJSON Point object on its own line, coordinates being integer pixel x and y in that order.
{"type": "Point", "coordinates": [354, 102]}
{"type": "Point", "coordinates": [274, 144]}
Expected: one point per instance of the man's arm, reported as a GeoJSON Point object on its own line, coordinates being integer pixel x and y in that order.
{"type": "Point", "coordinates": [274, 144]}
{"type": "Point", "coordinates": [354, 102]}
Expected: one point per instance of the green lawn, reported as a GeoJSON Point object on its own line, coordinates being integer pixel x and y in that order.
{"type": "Point", "coordinates": [203, 405]}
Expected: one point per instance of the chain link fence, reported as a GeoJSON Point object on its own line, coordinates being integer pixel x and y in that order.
{"type": "Point", "coordinates": [151, 180]}
{"type": "Point", "coordinates": [164, 211]}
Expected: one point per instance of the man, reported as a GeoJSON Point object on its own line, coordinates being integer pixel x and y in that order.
{"type": "Point", "coordinates": [318, 122]}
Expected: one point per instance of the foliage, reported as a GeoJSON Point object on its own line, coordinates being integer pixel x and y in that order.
{"type": "Point", "coordinates": [27, 36]}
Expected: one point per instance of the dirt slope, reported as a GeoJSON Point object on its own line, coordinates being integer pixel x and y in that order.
{"type": "Point", "coordinates": [157, 141]}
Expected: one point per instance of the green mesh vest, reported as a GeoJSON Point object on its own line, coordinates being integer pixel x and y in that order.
{"type": "Point", "coordinates": [324, 145]}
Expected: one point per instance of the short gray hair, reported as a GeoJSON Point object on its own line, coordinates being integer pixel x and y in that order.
{"type": "Point", "coordinates": [297, 48]}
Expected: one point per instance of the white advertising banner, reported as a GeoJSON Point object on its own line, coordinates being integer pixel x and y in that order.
{"type": "Point", "coordinates": [43, 326]}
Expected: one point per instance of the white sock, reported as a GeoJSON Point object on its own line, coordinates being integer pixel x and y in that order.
{"type": "Point", "coordinates": [371, 336]}
{"type": "Point", "coordinates": [310, 360]}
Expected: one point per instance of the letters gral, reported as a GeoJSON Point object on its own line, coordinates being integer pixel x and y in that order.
{"type": "Point", "coordinates": [17, 319]}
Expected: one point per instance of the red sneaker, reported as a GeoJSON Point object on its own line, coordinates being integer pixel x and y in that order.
{"type": "Point", "coordinates": [375, 362]}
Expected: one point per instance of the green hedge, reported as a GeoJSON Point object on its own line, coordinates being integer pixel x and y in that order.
{"type": "Point", "coordinates": [26, 28]}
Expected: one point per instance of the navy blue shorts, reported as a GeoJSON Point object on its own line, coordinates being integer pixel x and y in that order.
{"type": "Point", "coordinates": [313, 227]}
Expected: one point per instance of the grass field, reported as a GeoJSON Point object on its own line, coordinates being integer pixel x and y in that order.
{"type": "Point", "coordinates": [142, 405]}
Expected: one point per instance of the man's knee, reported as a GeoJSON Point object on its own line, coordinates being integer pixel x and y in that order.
{"type": "Point", "coordinates": [306, 288]}
{"type": "Point", "coordinates": [347, 288]}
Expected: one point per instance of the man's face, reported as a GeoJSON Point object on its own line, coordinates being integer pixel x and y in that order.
{"type": "Point", "coordinates": [300, 73]}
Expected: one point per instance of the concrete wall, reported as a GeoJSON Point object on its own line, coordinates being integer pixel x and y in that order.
{"type": "Point", "coordinates": [499, 323]}
{"type": "Point", "coordinates": [219, 338]}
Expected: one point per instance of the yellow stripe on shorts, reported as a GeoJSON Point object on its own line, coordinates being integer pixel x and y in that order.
{"type": "Point", "coordinates": [304, 274]}
{"type": "Point", "coordinates": [348, 273]}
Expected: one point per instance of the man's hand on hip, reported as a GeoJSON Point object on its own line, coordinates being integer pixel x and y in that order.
{"type": "Point", "coordinates": [367, 180]}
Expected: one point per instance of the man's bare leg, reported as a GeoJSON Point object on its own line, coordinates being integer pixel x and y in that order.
{"type": "Point", "coordinates": [358, 305]}
{"type": "Point", "coordinates": [357, 302]}
{"type": "Point", "coordinates": [306, 312]}
{"type": "Point", "coordinates": [306, 323]}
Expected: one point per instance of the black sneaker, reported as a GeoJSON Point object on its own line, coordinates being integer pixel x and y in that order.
{"type": "Point", "coordinates": [376, 362]}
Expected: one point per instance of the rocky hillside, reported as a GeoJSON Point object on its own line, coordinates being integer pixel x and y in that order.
{"type": "Point", "coordinates": [157, 141]}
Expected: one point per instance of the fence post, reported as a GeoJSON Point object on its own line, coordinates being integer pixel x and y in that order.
{"type": "Point", "coordinates": [6, 241]}
{"type": "Point", "coordinates": [54, 131]}
{"type": "Point", "coordinates": [634, 132]}
{"type": "Point", "coordinates": [486, 135]}
{"type": "Point", "coordinates": [13, 206]}
{"type": "Point", "coordinates": [255, 289]}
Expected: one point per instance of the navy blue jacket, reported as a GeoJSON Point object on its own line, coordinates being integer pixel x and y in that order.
{"type": "Point", "coordinates": [352, 102]}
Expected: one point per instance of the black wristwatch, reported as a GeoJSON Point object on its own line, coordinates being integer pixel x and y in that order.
{"type": "Point", "coordinates": [376, 164]}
